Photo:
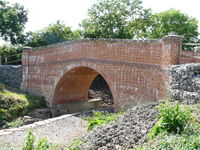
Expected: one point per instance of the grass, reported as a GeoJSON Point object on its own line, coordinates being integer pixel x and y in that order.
{"type": "Point", "coordinates": [16, 123]}
{"type": "Point", "coordinates": [74, 145]}
{"type": "Point", "coordinates": [14, 103]}
{"type": "Point", "coordinates": [100, 118]}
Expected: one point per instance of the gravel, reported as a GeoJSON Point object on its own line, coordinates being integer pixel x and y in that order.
{"type": "Point", "coordinates": [128, 131]}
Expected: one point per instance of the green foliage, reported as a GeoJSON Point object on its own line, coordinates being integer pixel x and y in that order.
{"type": "Point", "coordinates": [128, 19]}
{"type": "Point", "coordinates": [16, 123]}
{"type": "Point", "coordinates": [3, 116]}
{"type": "Point", "coordinates": [54, 33]}
{"type": "Point", "coordinates": [189, 139]}
{"type": "Point", "coordinates": [42, 144]}
{"type": "Point", "coordinates": [74, 146]}
{"type": "Point", "coordinates": [171, 119]}
{"type": "Point", "coordinates": [173, 142]}
{"type": "Point", "coordinates": [100, 118]}
{"type": "Point", "coordinates": [176, 22]}
{"type": "Point", "coordinates": [14, 103]}
{"type": "Point", "coordinates": [12, 22]}
{"type": "Point", "coordinates": [110, 18]}
{"type": "Point", "coordinates": [30, 140]}
{"type": "Point", "coordinates": [12, 52]}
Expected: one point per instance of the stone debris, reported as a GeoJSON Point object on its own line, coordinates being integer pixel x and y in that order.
{"type": "Point", "coordinates": [105, 95]}
{"type": "Point", "coordinates": [128, 131]}
{"type": "Point", "coordinates": [185, 83]}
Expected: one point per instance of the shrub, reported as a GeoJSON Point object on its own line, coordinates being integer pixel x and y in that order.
{"type": "Point", "coordinates": [171, 119]}
{"type": "Point", "coordinates": [12, 52]}
{"type": "Point", "coordinates": [3, 117]}
{"type": "Point", "coordinates": [164, 136]}
{"type": "Point", "coordinates": [14, 103]}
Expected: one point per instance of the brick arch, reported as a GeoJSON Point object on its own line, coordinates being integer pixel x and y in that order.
{"type": "Point", "coordinates": [74, 85]}
{"type": "Point", "coordinates": [135, 70]}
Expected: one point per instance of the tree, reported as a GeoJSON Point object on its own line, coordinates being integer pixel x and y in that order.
{"type": "Point", "coordinates": [12, 22]}
{"type": "Point", "coordinates": [175, 22]}
{"type": "Point", "coordinates": [110, 18]}
{"type": "Point", "coordinates": [54, 33]}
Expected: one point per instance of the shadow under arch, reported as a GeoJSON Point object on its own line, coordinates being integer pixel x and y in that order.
{"type": "Point", "coordinates": [73, 87]}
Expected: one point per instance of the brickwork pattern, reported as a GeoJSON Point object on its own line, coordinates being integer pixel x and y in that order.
{"type": "Point", "coordinates": [134, 69]}
{"type": "Point", "coordinates": [189, 57]}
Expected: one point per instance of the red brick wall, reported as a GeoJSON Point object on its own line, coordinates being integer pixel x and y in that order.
{"type": "Point", "coordinates": [189, 57]}
{"type": "Point", "coordinates": [134, 70]}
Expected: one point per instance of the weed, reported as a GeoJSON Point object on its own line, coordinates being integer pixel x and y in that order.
{"type": "Point", "coordinates": [74, 146]}
{"type": "Point", "coordinates": [171, 119]}
{"type": "Point", "coordinates": [43, 144]}
{"type": "Point", "coordinates": [100, 118]}
{"type": "Point", "coordinates": [16, 123]}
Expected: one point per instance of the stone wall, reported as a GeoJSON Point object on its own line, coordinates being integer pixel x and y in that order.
{"type": "Point", "coordinates": [185, 82]}
{"type": "Point", "coordinates": [11, 75]}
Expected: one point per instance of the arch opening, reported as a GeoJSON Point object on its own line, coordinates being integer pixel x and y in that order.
{"type": "Point", "coordinates": [99, 89]}
{"type": "Point", "coordinates": [81, 89]}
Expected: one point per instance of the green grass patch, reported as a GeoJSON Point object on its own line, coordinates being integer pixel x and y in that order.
{"type": "Point", "coordinates": [14, 103]}
{"type": "Point", "coordinates": [15, 123]}
{"type": "Point", "coordinates": [100, 118]}
{"type": "Point", "coordinates": [74, 145]}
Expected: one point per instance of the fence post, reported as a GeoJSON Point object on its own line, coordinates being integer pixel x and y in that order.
{"type": "Point", "coordinates": [6, 60]}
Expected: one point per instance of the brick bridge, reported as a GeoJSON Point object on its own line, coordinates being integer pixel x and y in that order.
{"type": "Point", "coordinates": [134, 70]}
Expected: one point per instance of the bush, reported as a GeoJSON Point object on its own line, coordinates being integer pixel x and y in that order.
{"type": "Point", "coordinates": [171, 119]}
{"type": "Point", "coordinates": [177, 129]}
{"type": "Point", "coordinates": [14, 103]}
{"type": "Point", "coordinates": [3, 117]}
{"type": "Point", "coordinates": [12, 52]}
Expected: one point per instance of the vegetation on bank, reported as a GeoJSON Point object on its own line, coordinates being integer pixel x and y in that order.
{"type": "Point", "coordinates": [177, 128]}
{"type": "Point", "coordinates": [100, 118]}
{"type": "Point", "coordinates": [14, 103]}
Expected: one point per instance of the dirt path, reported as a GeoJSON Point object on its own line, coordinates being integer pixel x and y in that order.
{"type": "Point", "coordinates": [60, 130]}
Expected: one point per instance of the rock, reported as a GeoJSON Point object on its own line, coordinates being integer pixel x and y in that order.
{"type": "Point", "coordinates": [28, 120]}
{"type": "Point", "coordinates": [11, 75]}
{"type": "Point", "coordinates": [185, 83]}
{"type": "Point", "coordinates": [128, 131]}
{"type": "Point", "coordinates": [103, 94]}
{"type": "Point", "coordinates": [41, 113]}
